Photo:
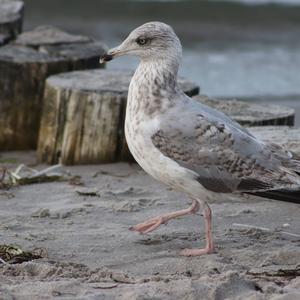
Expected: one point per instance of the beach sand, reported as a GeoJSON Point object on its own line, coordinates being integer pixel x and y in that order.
{"type": "Point", "coordinates": [93, 255]}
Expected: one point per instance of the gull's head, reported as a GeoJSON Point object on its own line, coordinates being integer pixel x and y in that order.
{"type": "Point", "coordinates": [151, 41]}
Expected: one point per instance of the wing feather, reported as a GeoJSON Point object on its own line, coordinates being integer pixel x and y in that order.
{"type": "Point", "coordinates": [226, 158]}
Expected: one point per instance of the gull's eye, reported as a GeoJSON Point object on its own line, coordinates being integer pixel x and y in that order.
{"type": "Point", "coordinates": [142, 41]}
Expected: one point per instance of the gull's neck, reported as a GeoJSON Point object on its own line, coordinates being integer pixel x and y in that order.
{"type": "Point", "coordinates": [160, 69]}
{"type": "Point", "coordinates": [154, 86]}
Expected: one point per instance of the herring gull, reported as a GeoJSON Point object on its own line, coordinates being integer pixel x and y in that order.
{"type": "Point", "coordinates": [190, 146]}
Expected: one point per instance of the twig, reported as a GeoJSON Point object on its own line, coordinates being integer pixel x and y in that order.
{"type": "Point", "coordinates": [294, 272]}
{"type": "Point", "coordinates": [45, 171]}
{"type": "Point", "coordinates": [3, 261]}
{"type": "Point", "coordinates": [3, 174]}
{"type": "Point", "coordinates": [263, 229]}
{"type": "Point", "coordinates": [102, 172]}
{"type": "Point", "coordinates": [251, 226]}
{"type": "Point", "coordinates": [18, 169]}
{"type": "Point", "coordinates": [291, 234]}
{"type": "Point", "coordinates": [14, 175]}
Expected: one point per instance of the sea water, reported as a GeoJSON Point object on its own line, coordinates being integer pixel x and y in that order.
{"type": "Point", "coordinates": [245, 49]}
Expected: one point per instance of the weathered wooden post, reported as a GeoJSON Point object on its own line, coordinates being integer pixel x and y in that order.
{"type": "Point", "coordinates": [252, 114]}
{"type": "Point", "coordinates": [11, 19]}
{"type": "Point", "coordinates": [83, 117]}
{"type": "Point", "coordinates": [24, 67]}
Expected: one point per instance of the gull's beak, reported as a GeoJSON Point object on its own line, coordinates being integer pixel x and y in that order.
{"type": "Point", "coordinates": [111, 54]}
{"type": "Point", "coordinates": [105, 57]}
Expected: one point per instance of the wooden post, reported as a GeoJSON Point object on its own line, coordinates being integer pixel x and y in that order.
{"type": "Point", "coordinates": [24, 67]}
{"type": "Point", "coordinates": [252, 114]}
{"type": "Point", "coordinates": [11, 19]}
{"type": "Point", "coordinates": [83, 117]}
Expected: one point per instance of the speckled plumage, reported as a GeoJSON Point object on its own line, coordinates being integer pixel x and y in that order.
{"type": "Point", "coordinates": [164, 124]}
{"type": "Point", "coordinates": [187, 145]}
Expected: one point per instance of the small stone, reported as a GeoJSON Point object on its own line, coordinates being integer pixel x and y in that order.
{"type": "Point", "coordinates": [55, 215]}
{"type": "Point", "coordinates": [93, 192]}
{"type": "Point", "coordinates": [41, 213]}
{"type": "Point", "coordinates": [121, 277]}
{"type": "Point", "coordinates": [65, 215]}
{"type": "Point", "coordinates": [104, 285]}
{"type": "Point", "coordinates": [125, 206]}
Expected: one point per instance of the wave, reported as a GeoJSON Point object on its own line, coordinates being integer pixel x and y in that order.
{"type": "Point", "coordinates": [264, 2]}
{"type": "Point", "coordinates": [247, 2]}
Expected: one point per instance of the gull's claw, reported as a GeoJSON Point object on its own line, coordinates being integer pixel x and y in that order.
{"type": "Point", "coordinates": [197, 252]}
{"type": "Point", "coordinates": [148, 226]}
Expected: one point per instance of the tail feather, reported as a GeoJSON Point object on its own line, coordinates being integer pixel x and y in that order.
{"type": "Point", "coordinates": [281, 195]}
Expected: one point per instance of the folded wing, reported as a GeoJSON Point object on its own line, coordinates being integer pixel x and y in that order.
{"type": "Point", "coordinates": [225, 157]}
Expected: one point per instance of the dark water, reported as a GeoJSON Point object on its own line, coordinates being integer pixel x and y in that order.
{"type": "Point", "coordinates": [231, 49]}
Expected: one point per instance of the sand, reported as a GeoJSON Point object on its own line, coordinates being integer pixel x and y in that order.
{"type": "Point", "coordinates": [93, 255]}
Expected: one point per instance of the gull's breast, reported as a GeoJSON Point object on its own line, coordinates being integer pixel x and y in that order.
{"type": "Point", "coordinates": [162, 168]}
{"type": "Point", "coordinates": [138, 137]}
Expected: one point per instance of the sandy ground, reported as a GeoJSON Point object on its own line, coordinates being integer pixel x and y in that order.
{"type": "Point", "coordinates": [93, 255]}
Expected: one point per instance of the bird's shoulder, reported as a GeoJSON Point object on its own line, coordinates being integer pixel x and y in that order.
{"type": "Point", "coordinates": [201, 124]}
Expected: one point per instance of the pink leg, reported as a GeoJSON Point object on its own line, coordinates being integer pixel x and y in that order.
{"type": "Point", "coordinates": [153, 223]}
{"type": "Point", "coordinates": [208, 234]}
